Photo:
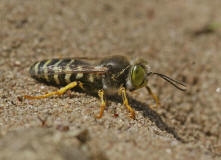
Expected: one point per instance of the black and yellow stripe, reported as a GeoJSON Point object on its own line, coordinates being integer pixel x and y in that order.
{"type": "Point", "coordinates": [40, 71]}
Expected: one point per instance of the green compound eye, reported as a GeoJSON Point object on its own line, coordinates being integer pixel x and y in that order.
{"type": "Point", "coordinates": [137, 76]}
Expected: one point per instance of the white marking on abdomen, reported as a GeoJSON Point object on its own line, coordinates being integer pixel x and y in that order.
{"type": "Point", "coordinates": [79, 75]}
{"type": "Point", "coordinates": [68, 76]}
{"type": "Point", "coordinates": [91, 78]}
{"type": "Point", "coordinates": [46, 70]}
{"type": "Point", "coordinates": [56, 75]}
{"type": "Point", "coordinates": [36, 68]}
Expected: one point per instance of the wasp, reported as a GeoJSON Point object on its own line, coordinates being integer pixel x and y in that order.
{"type": "Point", "coordinates": [109, 76]}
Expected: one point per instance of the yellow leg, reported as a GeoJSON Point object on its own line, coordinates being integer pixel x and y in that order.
{"type": "Point", "coordinates": [103, 103]}
{"type": "Point", "coordinates": [59, 92]}
{"type": "Point", "coordinates": [154, 97]}
{"type": "Point", "coordinates": [81, 85]}
{"type": "Point", "coordinates": [125, 101]}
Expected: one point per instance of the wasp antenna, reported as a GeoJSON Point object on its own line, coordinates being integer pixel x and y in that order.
{"type": "Point", "coordinates": [179, 85]}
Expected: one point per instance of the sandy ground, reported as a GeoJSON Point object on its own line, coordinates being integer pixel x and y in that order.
{"type": "Point", "coordinates": [174, 36]}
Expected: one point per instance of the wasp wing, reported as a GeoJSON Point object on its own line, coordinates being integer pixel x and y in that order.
{"type": "Point", "coordinates": [88, 58]}
{"type": "Point", "coordinates": [72, 69]}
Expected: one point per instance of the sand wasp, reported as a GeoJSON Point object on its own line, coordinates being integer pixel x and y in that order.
{"type": "Point", "coordinates": [110, 76]}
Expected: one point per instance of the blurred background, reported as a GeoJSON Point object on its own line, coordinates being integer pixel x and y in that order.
{"type": "Point", "coordinates": [181, 39]}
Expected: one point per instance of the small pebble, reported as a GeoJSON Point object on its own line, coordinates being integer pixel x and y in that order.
{"type": "Point", "coordinates": [218, 90]}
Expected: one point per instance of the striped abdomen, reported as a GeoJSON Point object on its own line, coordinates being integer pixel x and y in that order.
{"type": "Point", "coordinates": [40, 71]}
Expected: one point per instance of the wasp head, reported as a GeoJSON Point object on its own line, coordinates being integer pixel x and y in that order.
{"type": "Point", "coordinates": [140, 72]}
{"type": "Point", "coordinates": [138, 75]}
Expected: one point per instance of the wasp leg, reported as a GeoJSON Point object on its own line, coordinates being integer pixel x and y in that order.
{"type": "Point", "coordinates": [103, 103]}
{"type": "Point", "coordinates": [81, 85]}
{"type": "Point", "coordinates": [154, 97]}
{"type": "Point", "coordinates": [59, 92]}
{"type": "Point", "coordinates": [125, 101]}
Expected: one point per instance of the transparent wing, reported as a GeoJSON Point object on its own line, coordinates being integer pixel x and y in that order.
{"type": "Point", "coordinates": [88, 58]}
{"type": "Point", "coordinates": [81, 68]}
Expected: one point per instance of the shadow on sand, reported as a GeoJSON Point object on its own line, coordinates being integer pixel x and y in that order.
{"type": "Point", "coordinates": [151, 114]}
